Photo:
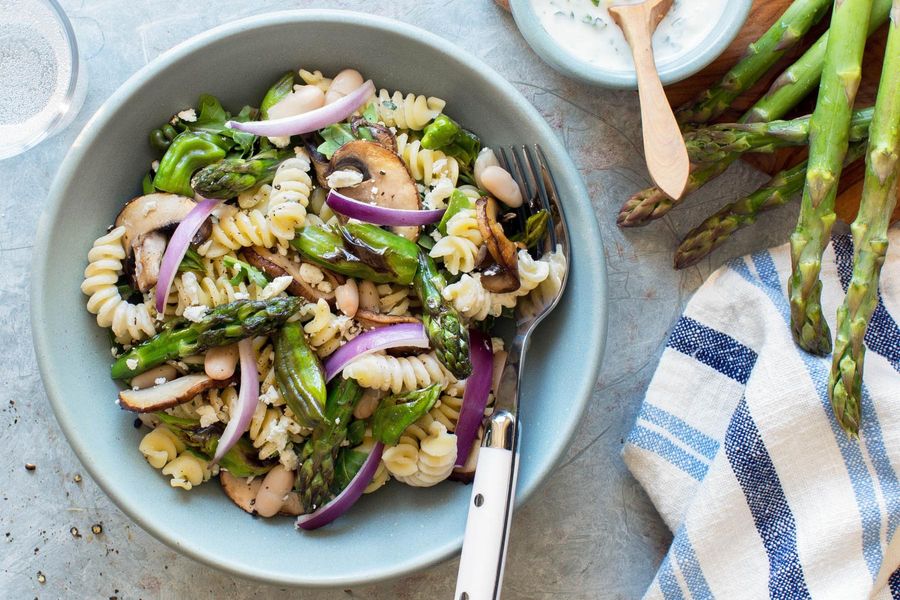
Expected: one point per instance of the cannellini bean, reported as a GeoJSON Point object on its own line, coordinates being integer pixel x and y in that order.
{"type": "Point", "coordinates": [343, 83]}
{"type": "Point", "coordinates": [502, 186]}
{"type": "Point", "coordinates": [368, 296]}
{"type": "Point", "coordinates": [149, 378]}
{"type": "Point", "coordinates": [346, 297]}
{"type": "Point", "coordinates": [368, 403]}
{"type": "Point", "coordinates": [221, 361]}
{"type": "Point", "coordinates": [486, 158]}
{"type": "Point", "coordinates": [303, 99]}
{"type": "Point", "coordinates": [274, 489]}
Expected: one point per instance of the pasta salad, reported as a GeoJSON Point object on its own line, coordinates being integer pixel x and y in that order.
{"type": "Point", "coordinates": [301, 301]}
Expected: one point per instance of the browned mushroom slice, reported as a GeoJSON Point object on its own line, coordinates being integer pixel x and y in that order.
{"type": "Point", "coordinates": [503, 276]}
{"type": "Point", "coordinates": [241, 490]}
{"type": "Point", "coordinates": [169, 394]}
{"type": "Point", "coordinates": [276, 265]}
{"type": "Point", "coordinates": [146, 219]}
{"type": "Point", "coordinates": [369, 319]}
{"type": "Point", "coordinates": [383, 135]}
{"type": "Point", "coordinates": [386, 180]}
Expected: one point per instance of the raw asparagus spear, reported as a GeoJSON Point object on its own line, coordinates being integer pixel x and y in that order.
{"type": "Point", "coordinates": [828, 141]}
{"type": "Point", "coordinates": [223, 325]}
{"type": "Point", "coordinates": [869, 238]}
{"type": "Point", "coordinates": [448, 335]}
{"type": "Point", "coordinates": [316, 472]}
{"type": "Point", "coordinates": [759, 58]}
{"type": "Point", "coordinates": [716, 143]}
{"type": "Point", "coordinates": [715, 231]}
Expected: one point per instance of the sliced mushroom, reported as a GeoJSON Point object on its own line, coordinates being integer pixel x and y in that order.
{"type": "Point", "coordinates": [241, 490]}
{"type": "Point", "coordinates": [383, 135]}
{"type": "Point", "coordinates": [169, 394]}
{"type": "Point", "coordinates": [369, 319]}
{"type": "Point", "coordinates": [146, 220]}
{"type": "Point", "coordinates": [503, 276]}
{"type": "Point", "coordinates": [276, 265]}
{"type": "Point", "coordinates": [386, 180]}
{"type": "Point", "coordinates": [319, 162]}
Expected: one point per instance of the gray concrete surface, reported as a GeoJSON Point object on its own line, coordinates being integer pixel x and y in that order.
{"type": "Point", "coordinates": [590, 532]}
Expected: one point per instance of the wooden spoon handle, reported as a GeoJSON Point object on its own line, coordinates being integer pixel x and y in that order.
{"type": "Point", "coordinates": [664, 149]}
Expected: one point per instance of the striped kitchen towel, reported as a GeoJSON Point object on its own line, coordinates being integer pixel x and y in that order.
{"type": "Point", "coordinates": [737, 447]}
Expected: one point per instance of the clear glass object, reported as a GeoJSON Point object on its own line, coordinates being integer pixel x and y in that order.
{"type": "Point", "coordinates": [42, 80]}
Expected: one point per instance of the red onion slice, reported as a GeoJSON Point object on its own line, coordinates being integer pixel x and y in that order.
{"type": "Point", "coordinates": [176, 248]}
{"type": "Point", "coordinates": [478, 386]}
{"type": "Point", "coordinates": [309, 121]}
{"type": "Point", "coordinates": [381, 338]}
{"type": "Point", "coordinates": [380, 215]}
{"type": "Point", "coordinates": [248, 397]}
{"type": "Point", "coordinates": [348, 496]}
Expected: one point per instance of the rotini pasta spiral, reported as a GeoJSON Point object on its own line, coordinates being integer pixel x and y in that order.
{"type": "Point", "coordinates": [288, 198]}
{"type": "Point", "coordinates": [403, 374]}
{"type": "Point", "coordinates": [426, 166]}
{"type": "Point", "coordinates": [459, 248]}
{"type": "Point", "coordinates": [446, 411]}
{"type": "Point", "coordinates": [206, 290]}
{"type": "Point", "coordinates": [236, 229]}
{"type": "Point", "coordinates": [160, 446]}
{"type": "Point", "coordinates": [394, 299]}
{"type": "Point", "coordinates": [188, 471]}
{"type": "Point", "coordinates": [129, 322]}
{"type": "Point", "coordinates": [547, 290]}
{"type": "Point", "coordinates": [315, 78]}
{"type": "Point", "coordinates": [424, 456]}
{"type": "Point", "coordinates": [271, 430]}
{"type": "Point", "coordinates": [381, 476]}
{"type": "Point", "coordinates": [327, 331]}
{"type": "Point", "coordinates": [409, 112]}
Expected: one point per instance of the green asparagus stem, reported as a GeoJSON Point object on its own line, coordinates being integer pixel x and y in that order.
{"type": "Point", "coordinates": [397, 412]}
{"type": "Point", "coordinates": [718, 142]}
{"type": "Point", "coordinates": [870, 239]}
{"type": "Point", "coordinates": [228, 178]}
{"type": "Point", "coordinates": [828, 142]}
{"type": "Point", "coordinates": [299, 375]}
{"type": "Point", "coordinates": [445, 329]}
{"type": "Point", "coordinates": [276, 93]}
{"type": "Point", "coordinates": [223, 325]}
{"type": "Point", "coordinates": [187, 153]}
{"type": "Point", "coordinates": [760, 56]}
{"type": "Point", "coordinates": [317, 468]}
{"type": "Point", "coordinates": [653, 203]}
{"type": "Point", "coordinates": [801, 78]}
{"type": "Point", "coordinates": [715, 230]}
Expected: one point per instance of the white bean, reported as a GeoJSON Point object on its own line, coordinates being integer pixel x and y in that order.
{"type": "Point", "coordinates": [303, 99]}
{"type": "Point", "coordinates": [502, 186]}
{"type": "Point", "coordinates": [486, 158]}
{"type": "Point", "coordinates": [368, 296]}
{"type": "Point", "coordinates": [221, 361]}
{"type": "Point", "coordinates": [274, 489]}
{"type": "Point", "coordinates": [148, 378]}
{"type": "Point", "coordinates": [343, 83]}
{"type": "Point", "coordinates": [346, 297]}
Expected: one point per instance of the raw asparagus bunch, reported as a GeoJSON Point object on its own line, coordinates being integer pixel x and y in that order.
{"type": "Point", "coordinates": [792, 86]}
{"type": "Point", "coordinates": [784, 187]}
{"type": "Point", "coordinates": [223, 325]}
{"type": "Point", "coordinates": [316, 472]}
{"type": "Point", "coordinates": [828, 142]}
{"type": "Point", "coordinates": [760, 57]}
{"type": "Point", "coordinates": [448, 335]}
{"type": "Point", "coordinates": [870, 239]}
{"type": "Point", "coordinates": [231, 176]}
{"type": "Point", "coordinates": [716, 143]}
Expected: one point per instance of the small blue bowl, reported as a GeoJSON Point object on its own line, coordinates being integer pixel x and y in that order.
{"type": "Point", "coordinates": [566, 63]}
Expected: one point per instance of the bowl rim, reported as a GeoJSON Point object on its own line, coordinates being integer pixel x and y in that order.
{"type": "Point", "coordinates": [549, 51]}
{"type": "Point", "coordinates": [43, 340]}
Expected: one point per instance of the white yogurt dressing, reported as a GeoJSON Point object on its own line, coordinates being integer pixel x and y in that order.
{"type": "Point", "coordinates": [588, 32]}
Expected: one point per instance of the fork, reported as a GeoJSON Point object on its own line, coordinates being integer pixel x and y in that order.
{"type": "Point", "coordinates": [486, 539]}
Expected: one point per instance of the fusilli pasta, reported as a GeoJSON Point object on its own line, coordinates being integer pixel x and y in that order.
{"type": "Point", "coordinates": [188, 471]}
{"type": "Point", "coordinates": [424, 456]}
{"type": "Point", "coordinates": [403, 374]}
{"type": "Point", "coordinates": [409, 112]}
{"type": "Point", "coordinates": [426, 165]}
{"type": "Point", "coordinates": [160, 446]}
{"type": "Point", "coordinates": [459, 248]}
{"type": "Point", "coordinates": [327, 331]}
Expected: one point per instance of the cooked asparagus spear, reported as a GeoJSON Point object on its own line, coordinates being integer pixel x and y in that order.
{"type": "Point", "coordinates": [187, 153]}
{"type": "Point", "coordinates": [299, 375]}
{"type": "Point", "coordinates": [223, 325]}
{"type": "Point", "coordinates": [448, 335]}
{"type": "Point", "coordinates": [760, 56]}
{"type": "Point", "coordinates": [716, 143]}
{"type": "Point", "coordinates": [316, 472]}
{"type": "Point", "coordinates": [828, 141]}
{"type": "Point", "coordinates": [231, 176]}
{"type": "Point", "coordinates": [714, 231]}
{"type": "Point", "coordinates": [870, 239]}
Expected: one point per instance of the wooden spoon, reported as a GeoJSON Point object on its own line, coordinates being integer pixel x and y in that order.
{"type": "Point", "coordinates": [664, 150]}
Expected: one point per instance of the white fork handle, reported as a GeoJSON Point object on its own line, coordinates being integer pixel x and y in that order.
{"type": "Point", "coordinates": [487, 531]}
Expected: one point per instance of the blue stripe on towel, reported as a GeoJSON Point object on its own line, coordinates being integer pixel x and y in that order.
{"type": "Point", "coordinates": [774, 521]}
{"type": "Point", "coordinates": [696, 439]}
{"type": "Point", "coordinates": [690, 566]}
{"type": "Point", "coordinates": [894, 584]}
{"type": "Point", "coordinates": [883, 333]}
{"type": "Point", "coordinates": [668, 583]}
{"type": "Point", "coordinates": [863, 487]}
{"type": "Point", "coordinates": [713, 348]}
{"type": "Point", "coordinates": [654, 442]}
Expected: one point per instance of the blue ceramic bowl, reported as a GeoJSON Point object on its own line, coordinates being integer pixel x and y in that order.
{"type": "Point", "coordinates": [387, 534]}
{"type": "Point", "coordinates": [546, 47]}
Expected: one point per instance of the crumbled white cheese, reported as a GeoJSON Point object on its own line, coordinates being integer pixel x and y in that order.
{"type": "Point", "coordinates": [195, 313]}
{"type": "Point", "coordinates": [276, 286]}
{"type": "Point", "coordinates": [189, 115]}
{"type": "Point", "coordinates": [113, 352]}
{"type": "Point", "coordinates": [280, 142]}
{"type": "Point", "coordinates": [344, 178]}
{"type": "Point", "coordinates": [288, 458]}
{"type": "Point", "coordinates": [241, 296]}
{"type": "Point", "coordinates": [311, 274]}
{"type": "Point", "coordinates": [159, 381]}
{"type": "Point", "coordinates": [436, 198]}
{"type": "Point", "coordinates": [131, 363]}
{"type": "Point", "coordinates": [207, 415]}
{"type": "Point", "coordinates": [270, 396]}
{"type": "Point", "coordinates": [155, 166]}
